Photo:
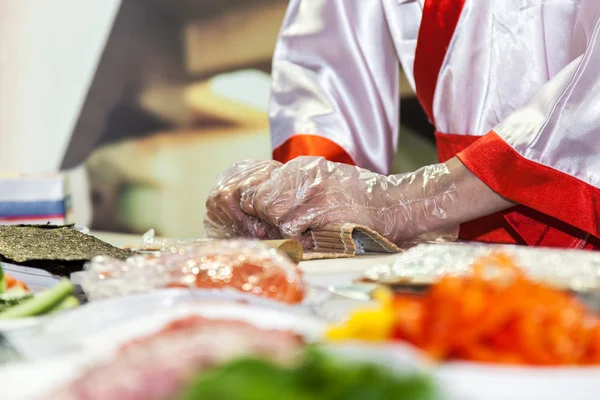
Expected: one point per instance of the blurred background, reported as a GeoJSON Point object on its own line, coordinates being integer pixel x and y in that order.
{"type": "Point", "coordinates": [142, 103]}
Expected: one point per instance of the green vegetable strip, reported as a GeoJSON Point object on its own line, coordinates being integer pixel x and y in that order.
{"type": "Point", "coordinates": [11, 301]}
{"type": "Point", "coordinates": [69, 302]}
{"type": "Point", "coordinates": [41, 303]}
{"type": "Point", "coordinates": [2, 283]}
{"type": "Point", "coordinates": [317, 377]}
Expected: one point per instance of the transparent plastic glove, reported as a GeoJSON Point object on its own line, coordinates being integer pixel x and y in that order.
{"type": "Point", "coordinates": [224, 216]}
{"type": "Point", "coordinates": [309, 193]}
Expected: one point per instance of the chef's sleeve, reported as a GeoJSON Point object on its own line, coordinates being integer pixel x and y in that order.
{"type": "Point", "coordinates": [335, 84]}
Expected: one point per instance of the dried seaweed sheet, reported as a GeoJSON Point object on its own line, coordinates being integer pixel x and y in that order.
{"type": "Point", "coordinates": [57, 249]}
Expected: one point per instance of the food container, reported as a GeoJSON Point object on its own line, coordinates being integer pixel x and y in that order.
{"type": "Point", "coordinates": [423, 264]}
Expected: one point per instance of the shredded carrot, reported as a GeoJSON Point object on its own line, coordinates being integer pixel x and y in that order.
{"type": "Point", "coordinates": [495, 314]}
{"type": "Point", "coordinates": [12, 283]}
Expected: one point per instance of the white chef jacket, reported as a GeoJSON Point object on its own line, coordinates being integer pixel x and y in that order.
{"type": "Point", "coordinates": [521, 74]}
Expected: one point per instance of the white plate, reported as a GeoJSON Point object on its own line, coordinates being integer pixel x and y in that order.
{"type": "Point", "coordinates": [36, 279]}
{"type": "Point", "coordinates": [459, 381]}
{"type": "Point", "coordinates": [475, 381]}
{"type": "Point", "coordinates": [67, 332]}
{"type": "Point", "coordinates": [107, 341]}
{"type": "Point", "coordinates": [10, 325]}
{"type": "Point", "coordinates": [471, 381]}
{"type": "Point", "coordinates": [32, 380]}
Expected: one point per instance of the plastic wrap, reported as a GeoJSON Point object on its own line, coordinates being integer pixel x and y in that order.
{"type": "Point", "coordinates": [224, 217]}
{"type": "Point", "coordinates": [150, 244]}
{"type": "Point", "coordinates": [310, 193]}
{"type": "Point", "coordinates": [244, 265]}
{"type": "Point", "coordinates": [571, 269]}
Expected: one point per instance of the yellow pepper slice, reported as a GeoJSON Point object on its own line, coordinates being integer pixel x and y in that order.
{"type": "Point", "coordinates": [371, 324]}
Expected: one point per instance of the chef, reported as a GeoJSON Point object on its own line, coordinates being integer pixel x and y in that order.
{"type": "Point", "coordinates": [512, 87]}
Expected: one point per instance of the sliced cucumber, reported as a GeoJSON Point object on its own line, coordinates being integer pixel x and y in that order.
{"type": "Point", "coordinates": [13, 293]}
{"type": "Point", "coordinates": [13, 297]}
{"type": "Point", "coordinates": [69, 302]}
{"type": "Point", "coordinates": [41, 303]}
{"type": "Point", "coordinates": [2, 283]}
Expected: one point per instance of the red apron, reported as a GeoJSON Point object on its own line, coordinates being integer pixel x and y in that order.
{"type": "Point", "coordinates": [519, 225]}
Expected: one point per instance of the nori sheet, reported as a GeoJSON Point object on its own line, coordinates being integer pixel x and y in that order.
{"type": "Point", "coordinates": [58, 249]}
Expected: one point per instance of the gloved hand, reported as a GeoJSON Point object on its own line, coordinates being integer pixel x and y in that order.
{"type": "Point", "coordinates": [310, 193]}
{"type": "Point", "coordinates": [224, 216]}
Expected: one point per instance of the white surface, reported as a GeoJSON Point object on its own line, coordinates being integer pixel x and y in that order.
{"type": "Point", "coordinates": [101, 326]}
{"type": "Point", "coordinates": [344, 266]}
{"type": "Point", "coordinates": [118, 239]}
{"type": "Point", "coordinates": [480, 382]}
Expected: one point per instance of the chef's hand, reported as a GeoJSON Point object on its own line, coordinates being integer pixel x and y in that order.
{"type": "Point", "coordinates": [224, 216]}
{"type": "Point", "coordinates": [309, 193]}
